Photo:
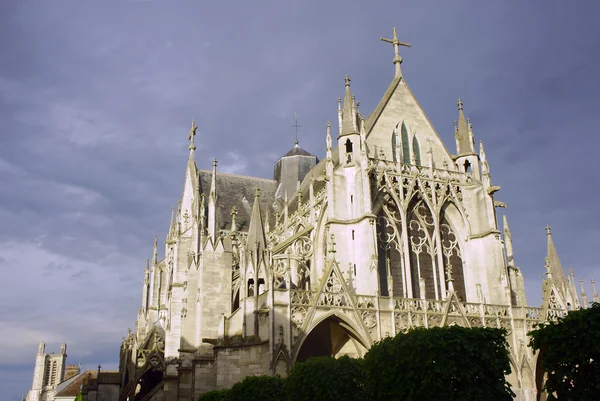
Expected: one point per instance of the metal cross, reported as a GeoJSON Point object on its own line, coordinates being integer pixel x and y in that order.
{"type": "Point", "coordinates": [296, 126]}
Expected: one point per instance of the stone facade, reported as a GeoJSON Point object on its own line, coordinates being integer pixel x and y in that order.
{"type": "Point", "coordinates": [389, 231]}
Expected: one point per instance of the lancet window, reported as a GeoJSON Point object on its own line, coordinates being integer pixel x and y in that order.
{"type": "Point", "coordinates": [394, 144]}
{"type": "Point", "coordinates": [452, 257]}
{"type": "Point", "coordinates": [405, 145]}
{"type": "Point", "coordinates": [390, 264]}
{"type": "Point", "coordinates": [422, 251]}
{"type": "Point", "coordinates": [416, 151]}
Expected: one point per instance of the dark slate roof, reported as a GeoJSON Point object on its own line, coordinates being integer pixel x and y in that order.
{"type": "Point", "coordinates": [237, 190]}
{"type": "Point", "coordinates": [298, 151]}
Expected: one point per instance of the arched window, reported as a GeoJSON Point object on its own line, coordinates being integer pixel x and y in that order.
{"type": "Point", "coordinates": [389, 251]}
{"type": "Point", "coordinates": [416, 151]}
{"type": "Point", "coordinates": [348, 146]}
{"type": "Point", "coordinates": [467, 166]}
{"type": "Point", "coordinates": [423, 274]}
{"type": "Point", "coordinates": [405, 145]}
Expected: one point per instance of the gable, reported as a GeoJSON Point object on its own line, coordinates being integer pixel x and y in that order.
{"type": "Point", "coordinates": [400, 106]}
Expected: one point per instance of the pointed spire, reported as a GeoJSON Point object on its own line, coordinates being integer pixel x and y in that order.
{"type": "Point", "coordinates": [463, 140]}
{"type": "Point", "coordinates": [348, 117]}
{"type": "Point", "coordinates": [584, 301]}
{"type": "Point", "coordinates": [172, 229]}
{"type": "Point", "coordinates": [192, 146]}
{"type": "Point", "coordinates": [595, 294]}
{"type": "Point", "coordinates": [256, 232]}
{"type": "Point", "coordinates": [557, 270]}
{"type": "Point", "coordinates": [508, 242]}
{"type": "Point", "coordinates": [397, 60]}
{"type": "Point", "coordinates": [328, 141]}
{"type": "Point", "coordinates": [212, 203]}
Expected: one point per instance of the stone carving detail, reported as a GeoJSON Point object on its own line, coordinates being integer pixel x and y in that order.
{"type": "Point", "coordinates": [303, 247]}
{"type": "Point", "coordinates": [279, 272]}
{"type": "Point", "coordinates": [298, 315]}
{"type": "Point", "coordinates": [332, 294]}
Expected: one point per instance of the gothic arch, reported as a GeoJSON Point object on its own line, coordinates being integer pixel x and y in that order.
{"type": "Point", "coordinates": [340, 320]}
{"type": "Point", "coordinates": [452, 231]}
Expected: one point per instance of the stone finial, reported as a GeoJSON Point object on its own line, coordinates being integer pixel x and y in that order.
{"type": "Point", "coordinates": [257, 193]}
{"type": "Point", "coordinates": [459, 103]}
{"type": "Point", "coordinates": [548, 230]}
{"type": "Point", "coordinates": [346, 82]}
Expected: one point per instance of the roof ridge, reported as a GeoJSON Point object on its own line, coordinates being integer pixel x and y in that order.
{"type": "Point", "coordinates": [238, 175]}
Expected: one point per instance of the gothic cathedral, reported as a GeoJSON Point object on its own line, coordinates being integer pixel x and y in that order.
{"type": "Point", "coordinates": [389, 231]}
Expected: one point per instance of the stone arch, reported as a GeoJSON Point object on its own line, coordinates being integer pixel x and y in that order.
{"type": "Point", "coordinates": [451, 230]}
{"type": "Point", "coordinates": [331, 335]}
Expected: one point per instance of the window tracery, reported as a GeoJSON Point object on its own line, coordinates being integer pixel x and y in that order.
{"type": "Point", "coordinates": [422, 250]}
{"type": "Point", "coordinates": [390, 262]}
{"type": "Point", "coordinates": [452, 256]}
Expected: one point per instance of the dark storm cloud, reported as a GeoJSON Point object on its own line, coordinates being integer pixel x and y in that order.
{"type": "Point", "coordinates": [96, 100]}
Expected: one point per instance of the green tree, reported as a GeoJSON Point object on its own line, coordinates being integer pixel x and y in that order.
{"type": "Point", "coordinates": [570, 355]}
{"type": "Point", "coordinates": [441, 363]}
{"type": "Point", "coordinates": [258, 388]}
{"type": "Point", "coordinates": [326, 379]}
{"type": "Point", "coordinates": [216, 395]}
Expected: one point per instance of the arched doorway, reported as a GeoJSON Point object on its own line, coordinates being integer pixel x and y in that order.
{"type": "Point", "coordinates": [331, 337]}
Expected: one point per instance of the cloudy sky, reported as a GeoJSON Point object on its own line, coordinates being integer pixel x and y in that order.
{"type": "Point", "coordinates": [96, 100]}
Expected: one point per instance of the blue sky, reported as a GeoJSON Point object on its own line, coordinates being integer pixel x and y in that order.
{"type": "Point", "coordinates": [96, 100]}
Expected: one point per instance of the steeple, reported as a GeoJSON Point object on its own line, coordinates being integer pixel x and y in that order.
{"type": "Point", "coordinates": [464, 144]}
{"type": "Point", "coordinates": [348, 112]}
{"type": "Point", "coordinates": [397, 60]}
{"type": "Point", "coordinates": [595, 294]}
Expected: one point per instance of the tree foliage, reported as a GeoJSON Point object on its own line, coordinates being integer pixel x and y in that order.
{"type": "Point", "coordinates": [258, 388]}
{"type": "Point", "coordinates": [447, 363]}
{"type": "Point", "coordinates": [570, 355]}
{"type": "Point", "coordinates": [325, 379]}
{"type": "Point", "coordinates": [216, 395]}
